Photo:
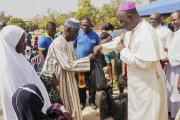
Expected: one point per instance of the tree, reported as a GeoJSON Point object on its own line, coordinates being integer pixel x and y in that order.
{"type": "Point", "coordinates": [86, 9]}
{"type": "Point", "coordinates": [17, 21]}
{"type": "Point", "coordinates": [61, 19]}
{"type": "Point", "coordinates": [31, 25]}
{"type": "Point", "coordinates": [4, 17]}
{"type": "Point", "coordinates": [52, 15]}
{"type": "Point", "coordinates": [105, 14]}
{"type": "Point", "coordinates": [108, 13]}
{"type": "Point", "coordinates": [99, 15]}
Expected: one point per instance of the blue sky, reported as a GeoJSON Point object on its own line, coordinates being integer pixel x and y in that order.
{"type": "Point", "coordinates": [30, 8]}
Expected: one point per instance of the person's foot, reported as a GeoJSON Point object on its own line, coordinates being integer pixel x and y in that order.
{"type": "Point", "coordinates": [82, 106]}
{"type": "Point", "coordinates": [93, 106]}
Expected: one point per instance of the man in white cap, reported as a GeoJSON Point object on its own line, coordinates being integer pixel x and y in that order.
{"type": "Point", "coordinates": [142, 52]}
{"type": "Point", "coordinates": [62, 64]}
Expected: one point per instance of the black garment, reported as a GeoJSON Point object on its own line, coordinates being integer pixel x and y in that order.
{"type": "Point", "coordinates": [28, 38]}
{"type": "Point", "coordinates": [27, 105]}
{"type": "Point", "coordinates": [102, 59]}
{"type": "Point", "coordinates": [90, 87]}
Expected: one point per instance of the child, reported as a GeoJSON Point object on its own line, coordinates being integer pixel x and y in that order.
{"type": "Point", "coordinates": [114, 67]}
{"type": "Point", "coordinates": [36, 42]}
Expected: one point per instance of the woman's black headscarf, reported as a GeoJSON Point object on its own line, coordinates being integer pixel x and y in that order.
{"type": "Point", "coordinates": [27, 102]}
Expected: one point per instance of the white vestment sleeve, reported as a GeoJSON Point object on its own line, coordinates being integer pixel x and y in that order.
{"type": "Point", "coordinates": [168, 39]}
{"type": "Point", "coordinates": [109, 46]}
{"type": "Point", "coordinates": [130, 59]}
{"type": "Point", "coordinates": [174, 62]}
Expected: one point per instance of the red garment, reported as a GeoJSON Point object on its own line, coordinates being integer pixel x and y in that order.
{"type": "Point", "coordinates": [36, 43]}
{"type": "Point", "coordinates": [164, 64]}
{"type": "Point", "coordinates": [58, 110]}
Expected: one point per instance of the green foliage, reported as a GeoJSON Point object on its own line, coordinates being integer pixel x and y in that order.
{"type": "Point", "coordinates": [108, 13]}
{"type": "Point", "coordinates": [52, 15]}
{"type": "Point", "coordinates": [105, 14]}
{"type": "Point", "coordinates": [44, 21]}
{"type": "Point", "coordinates": [86, 9]}
{"type": "Point", "coordinates": [167, 20]}
{"type": "Point", "coordinates": [4, 17]}
{"type": "Point", "coordinates": [31, 25]}
{"type": "Point", "coordinates": [17, 21]}
{"type": "Point", "coordinates": [61, 19]}
{"type": "Point", "coordinates": [98, 15]}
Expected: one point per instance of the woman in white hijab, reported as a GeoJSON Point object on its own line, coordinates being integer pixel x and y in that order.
{"type": "Point", "coordinates": [15, 70]}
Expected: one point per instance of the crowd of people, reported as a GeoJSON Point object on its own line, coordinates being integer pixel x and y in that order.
{"type": "Point", "coordinates": [60, 70]}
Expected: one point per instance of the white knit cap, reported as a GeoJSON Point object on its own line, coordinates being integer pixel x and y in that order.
{"type": "Point", "coordinates": [72, 22]}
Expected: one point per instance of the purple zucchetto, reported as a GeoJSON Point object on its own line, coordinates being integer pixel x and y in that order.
{"type": "Point", "coordinates": [126, 6]}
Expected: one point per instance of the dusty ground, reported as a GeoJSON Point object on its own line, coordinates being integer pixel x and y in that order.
{"type": "Point", "coordinates": [89, 113]}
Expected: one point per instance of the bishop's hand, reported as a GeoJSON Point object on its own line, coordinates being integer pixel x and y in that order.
{"type": "Point", "coordinates": [119, 47]}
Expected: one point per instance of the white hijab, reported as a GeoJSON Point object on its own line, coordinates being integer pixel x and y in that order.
{"type": "Point", "coordinates": [15, 70]}
{"type": "Point", "coordinates": [174, 49]}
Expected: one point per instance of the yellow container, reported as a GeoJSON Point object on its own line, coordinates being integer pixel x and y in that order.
{"type": "Point", "coordinates": [82, 81]}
